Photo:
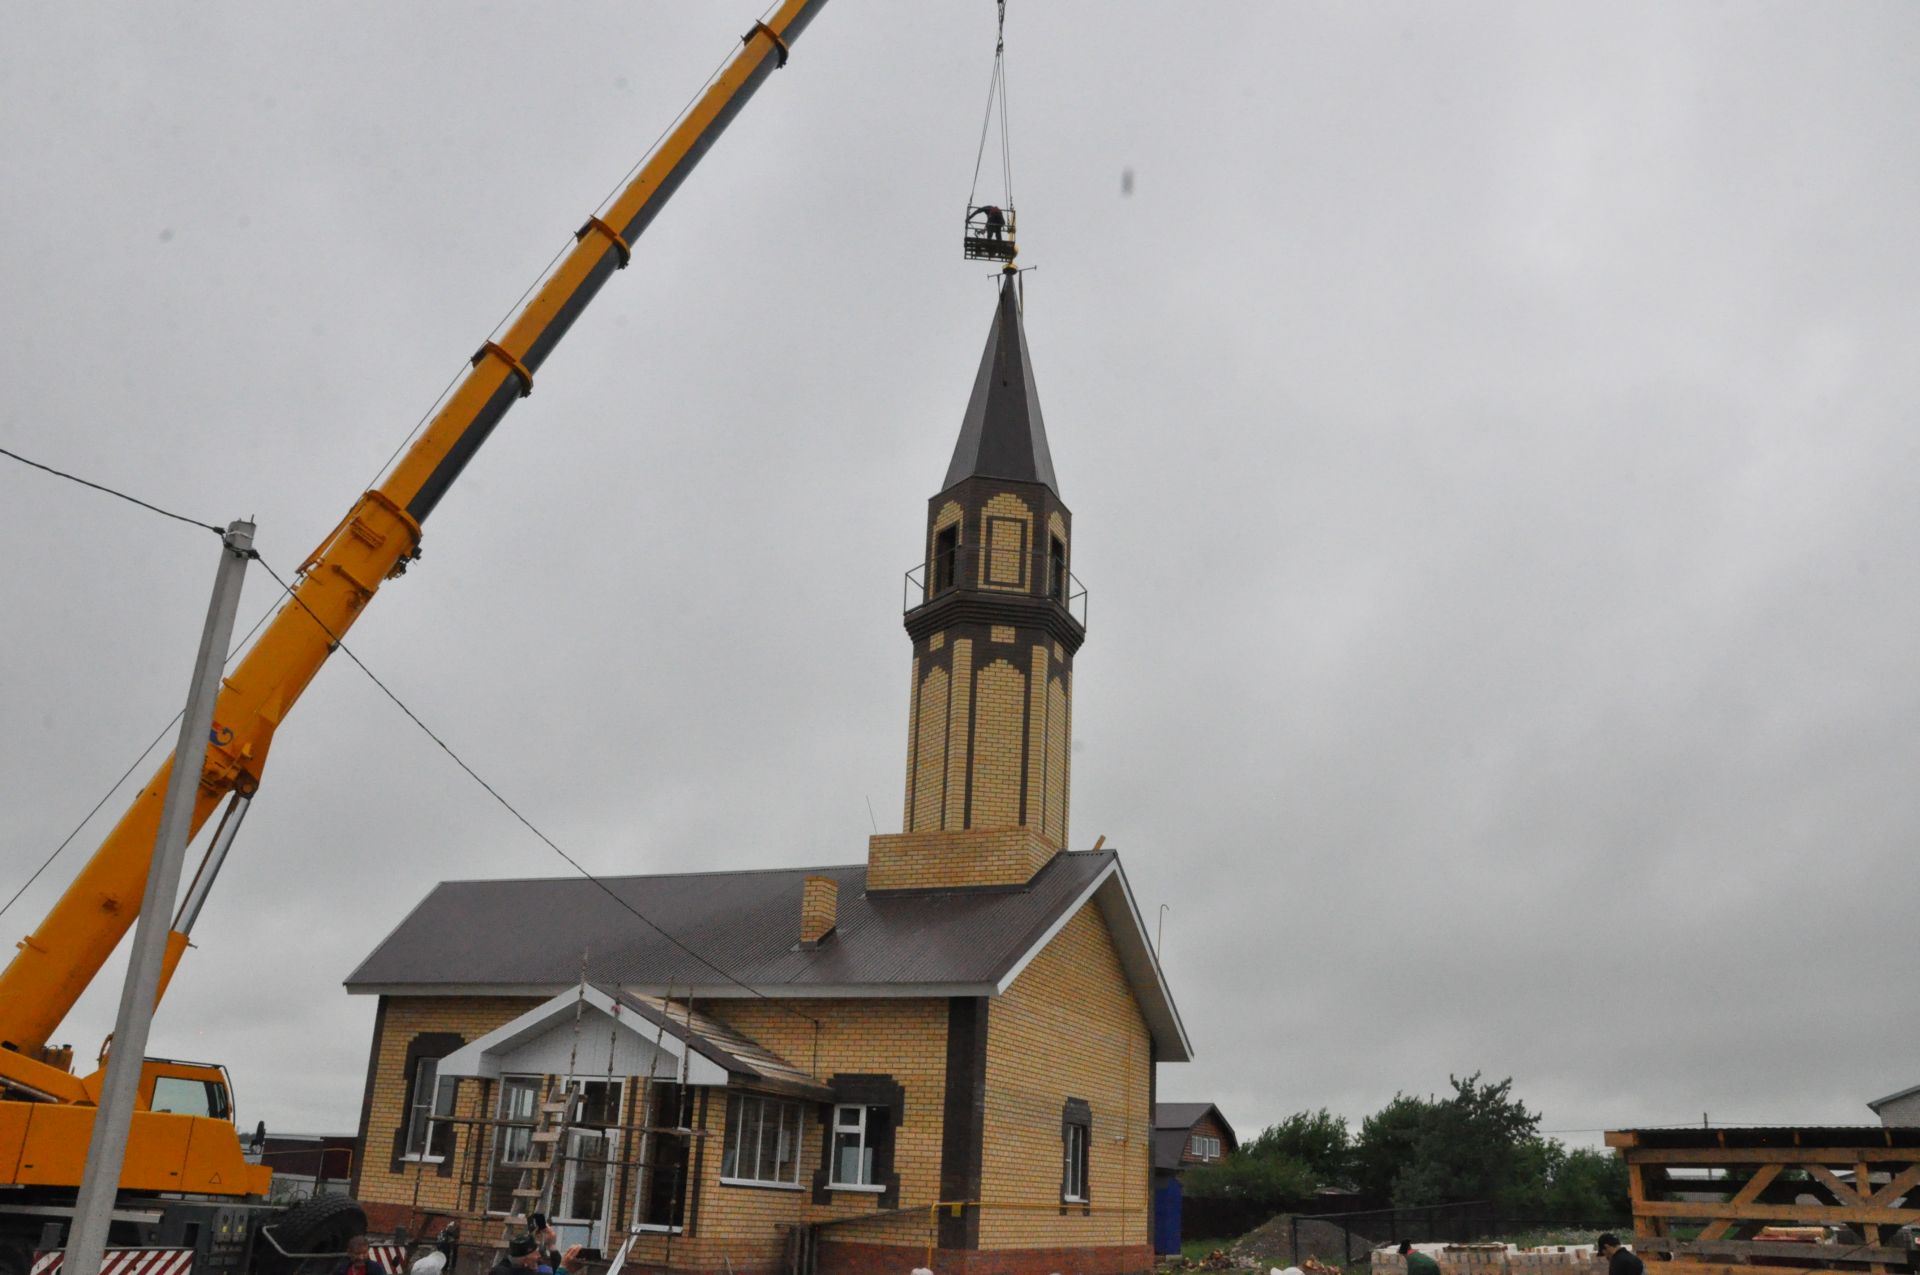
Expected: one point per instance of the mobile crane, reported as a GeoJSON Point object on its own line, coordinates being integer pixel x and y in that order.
{"type": "Point", "coordinates": [186, 1183]}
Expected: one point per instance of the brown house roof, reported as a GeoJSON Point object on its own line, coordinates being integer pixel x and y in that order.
{"type": "Point", "coordinates": [1173, 1122]}
{"type": "Point", "coordinates": [524, 937]}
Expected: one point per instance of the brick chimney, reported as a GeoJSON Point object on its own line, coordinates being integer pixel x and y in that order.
{"type": "Point", "coordinates": [819, 902]}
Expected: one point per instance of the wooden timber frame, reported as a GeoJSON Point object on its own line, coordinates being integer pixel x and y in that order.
{"type": "Point", "coordinates": [1725, 1201]}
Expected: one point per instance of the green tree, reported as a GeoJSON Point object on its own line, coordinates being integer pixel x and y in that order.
{"type": "Point", "coordinates": [1476, 1148]}
{"type": "Point", "coordinates": [1275, 1180]}
{"type": "Point", "coordinates": [1589, 1186]}
{"type": "Point", "coordinates": [1388, 1141]}
{"type": "Point", "coordinates": [1316, 1139]}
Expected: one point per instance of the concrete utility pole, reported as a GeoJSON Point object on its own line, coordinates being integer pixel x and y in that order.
{"type": "Point", "coordinates": [87, 1240]}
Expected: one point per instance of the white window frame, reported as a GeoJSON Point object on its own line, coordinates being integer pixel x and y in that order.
{"type": "Point", "coordinates": [440, 1091]}
{"type": "Point", "coordinates": [860, 1128]}
{"type": "Point", "coordinates": [1204, 1146]}
{"type": "Point", "coordinates": [1079, 1164]}
{"type": "Point", "coordinates": [503, 1132]}
{"type": "Point", "coordinates": [780, 1108]}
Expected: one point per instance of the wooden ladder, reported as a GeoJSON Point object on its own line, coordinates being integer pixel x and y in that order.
{"type": "Point", "coordinates": [540, 1171]}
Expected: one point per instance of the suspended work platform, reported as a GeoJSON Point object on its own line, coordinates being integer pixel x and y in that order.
{"type": "Point", "coordinates": [990, 234]}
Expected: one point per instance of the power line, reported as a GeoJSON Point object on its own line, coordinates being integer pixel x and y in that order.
{"type": "Point", "coordinates": [75, 478]}
{"type": "Point", "coordinates": [115, 785]}
{"type": "Point", "coordinates": [525, 822]}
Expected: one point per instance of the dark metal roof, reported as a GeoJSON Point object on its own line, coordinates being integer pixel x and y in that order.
{"type": "Point", "coordinates": [527, 935]}
{"type": "Point", "coordinates": [1002, 435]}
{"type": "Point", "coordinates": [1173, 1121]}
{"type": "Point", "coordinates": [1180, 1115]}
{"type": "Point", "coordinates": [1767, 1136]}
{"type": "Point", "coordinates": [1169, 1148]}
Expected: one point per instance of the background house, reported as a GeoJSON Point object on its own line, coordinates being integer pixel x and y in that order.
{"type": "Point", "coordinates": [1189, 1133]}
{"type": "Point", "coordinates": [1902, 1108]}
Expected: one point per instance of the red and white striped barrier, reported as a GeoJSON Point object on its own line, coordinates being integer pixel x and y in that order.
{"type": "Point", "coordinates": [392, 1257]}
{"type": "Point", "coordinates": [125, 1261]}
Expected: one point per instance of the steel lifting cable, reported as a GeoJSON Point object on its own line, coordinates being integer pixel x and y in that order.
{"type": "Point", "coordinates": [996, 92]}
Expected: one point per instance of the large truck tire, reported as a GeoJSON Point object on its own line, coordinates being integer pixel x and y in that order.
{"type": "Point", "coordinates": [323, 1224]}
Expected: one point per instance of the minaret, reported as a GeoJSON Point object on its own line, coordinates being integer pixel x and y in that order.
{"type": "Point", "coordinates": [995, 617]}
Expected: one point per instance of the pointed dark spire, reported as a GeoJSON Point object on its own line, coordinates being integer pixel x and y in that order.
{"type": "Point", "coordinates": [1002, 435]}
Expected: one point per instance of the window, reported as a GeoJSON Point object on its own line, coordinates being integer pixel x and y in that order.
{"type": "Point", "coordinates": [763, 1142]}
{"type": "Point", "coordinates": [1076, 1136]}
{"type": "Point", "coordinates": [1075, 1189]}
{"type": "Point", "coordinates": [430, 1097]}
{"type": "Point", "coordinates": [857, 1134]}
{"type": "Point", "coordinates": [1205, 1147]}
{"type": "Point", "coordinates": [946, 558]}
{"type": "Point", "coordinates": [663, 1156]}
{"type": "Point", "coordinates": [1057, 569]}
{"type": "Point", "coordinates": [512, 1138]}
{"type": "Point", "coordinates": [183, 1097]}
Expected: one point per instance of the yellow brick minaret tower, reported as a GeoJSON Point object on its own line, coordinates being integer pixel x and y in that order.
{"type": "Point", "coordinates": [995, 617]}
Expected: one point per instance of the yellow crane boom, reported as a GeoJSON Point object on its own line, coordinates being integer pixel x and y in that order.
{"type": "Point", "coordinates": [376, 540]}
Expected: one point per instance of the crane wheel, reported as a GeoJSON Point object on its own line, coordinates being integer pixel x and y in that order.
{"type": "Point", "coordinates": [323, 1224]}
{"type": "Point", "coordinates": [15, 1258]}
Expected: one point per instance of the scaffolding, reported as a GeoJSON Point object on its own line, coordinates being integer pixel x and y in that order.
{"type": "Point", "coordinates": [578, 1151]}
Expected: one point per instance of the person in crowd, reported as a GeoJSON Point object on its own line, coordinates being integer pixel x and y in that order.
{"type": "Point", "coordinates": [359, 1259]}
{"type": "Point", "coordinates": [1620, 1260]}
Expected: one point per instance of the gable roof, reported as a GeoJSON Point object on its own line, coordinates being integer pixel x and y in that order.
{"type": "Point", "coordinates": [1173, 1121]}
{"type": "Point", "coordinates": [1878, 1103]}
{"type": "Point", "coordinates": [738, 935]}
{"type": "Point", "coordinates": [711, 1051]}
{"type": "Point", "coordinates": [1002, 434]}
{"type": "Point", "coordinates": [1184, 1115]}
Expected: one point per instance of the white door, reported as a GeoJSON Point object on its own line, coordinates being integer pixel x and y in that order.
{"type": "Point", "coordinates": [582, 1206]}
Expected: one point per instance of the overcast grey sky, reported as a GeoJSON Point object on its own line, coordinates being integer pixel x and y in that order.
{"type": "Point", "coordinates": [1488, 428]}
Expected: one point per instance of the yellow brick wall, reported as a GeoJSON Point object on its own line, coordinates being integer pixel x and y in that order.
{"type": "Point", "coordinates": [407, 1017]}
{"type": "Point", "coordinates": [1055, 826]}
{"type": "Point", "coordinates": [1037, 733]}
{"type": "Point", "coordinates": [913, 737]}
{"type": "Point", "coordinates": [1004, 505]}
{"type": "Point", "coordinates": [1067, 1028]}
{"type": "Point", "coordinates": [930, 750]}
{"type": "Point", "coordinates": [955, 813]}
{"type": "Point", "coordinates": [819, 907]}
{"type": "Point", "coordinates": [1000, 721]}
{"type": "Point", "coordinates": [942, 860]}
{"type": "Point", "coordinates": [906, 1039]}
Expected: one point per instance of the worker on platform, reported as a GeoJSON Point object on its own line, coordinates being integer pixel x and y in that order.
{"type": "Point", "coordinates": [1418, 1263]}
{"type": "Point", "coordinates": [1620, 1261]}
{"type": "Point", "coordinates": [993, 222]}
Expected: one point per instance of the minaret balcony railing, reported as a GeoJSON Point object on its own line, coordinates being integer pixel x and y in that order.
{"type": "Point", "coordinates": [989, 572]}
